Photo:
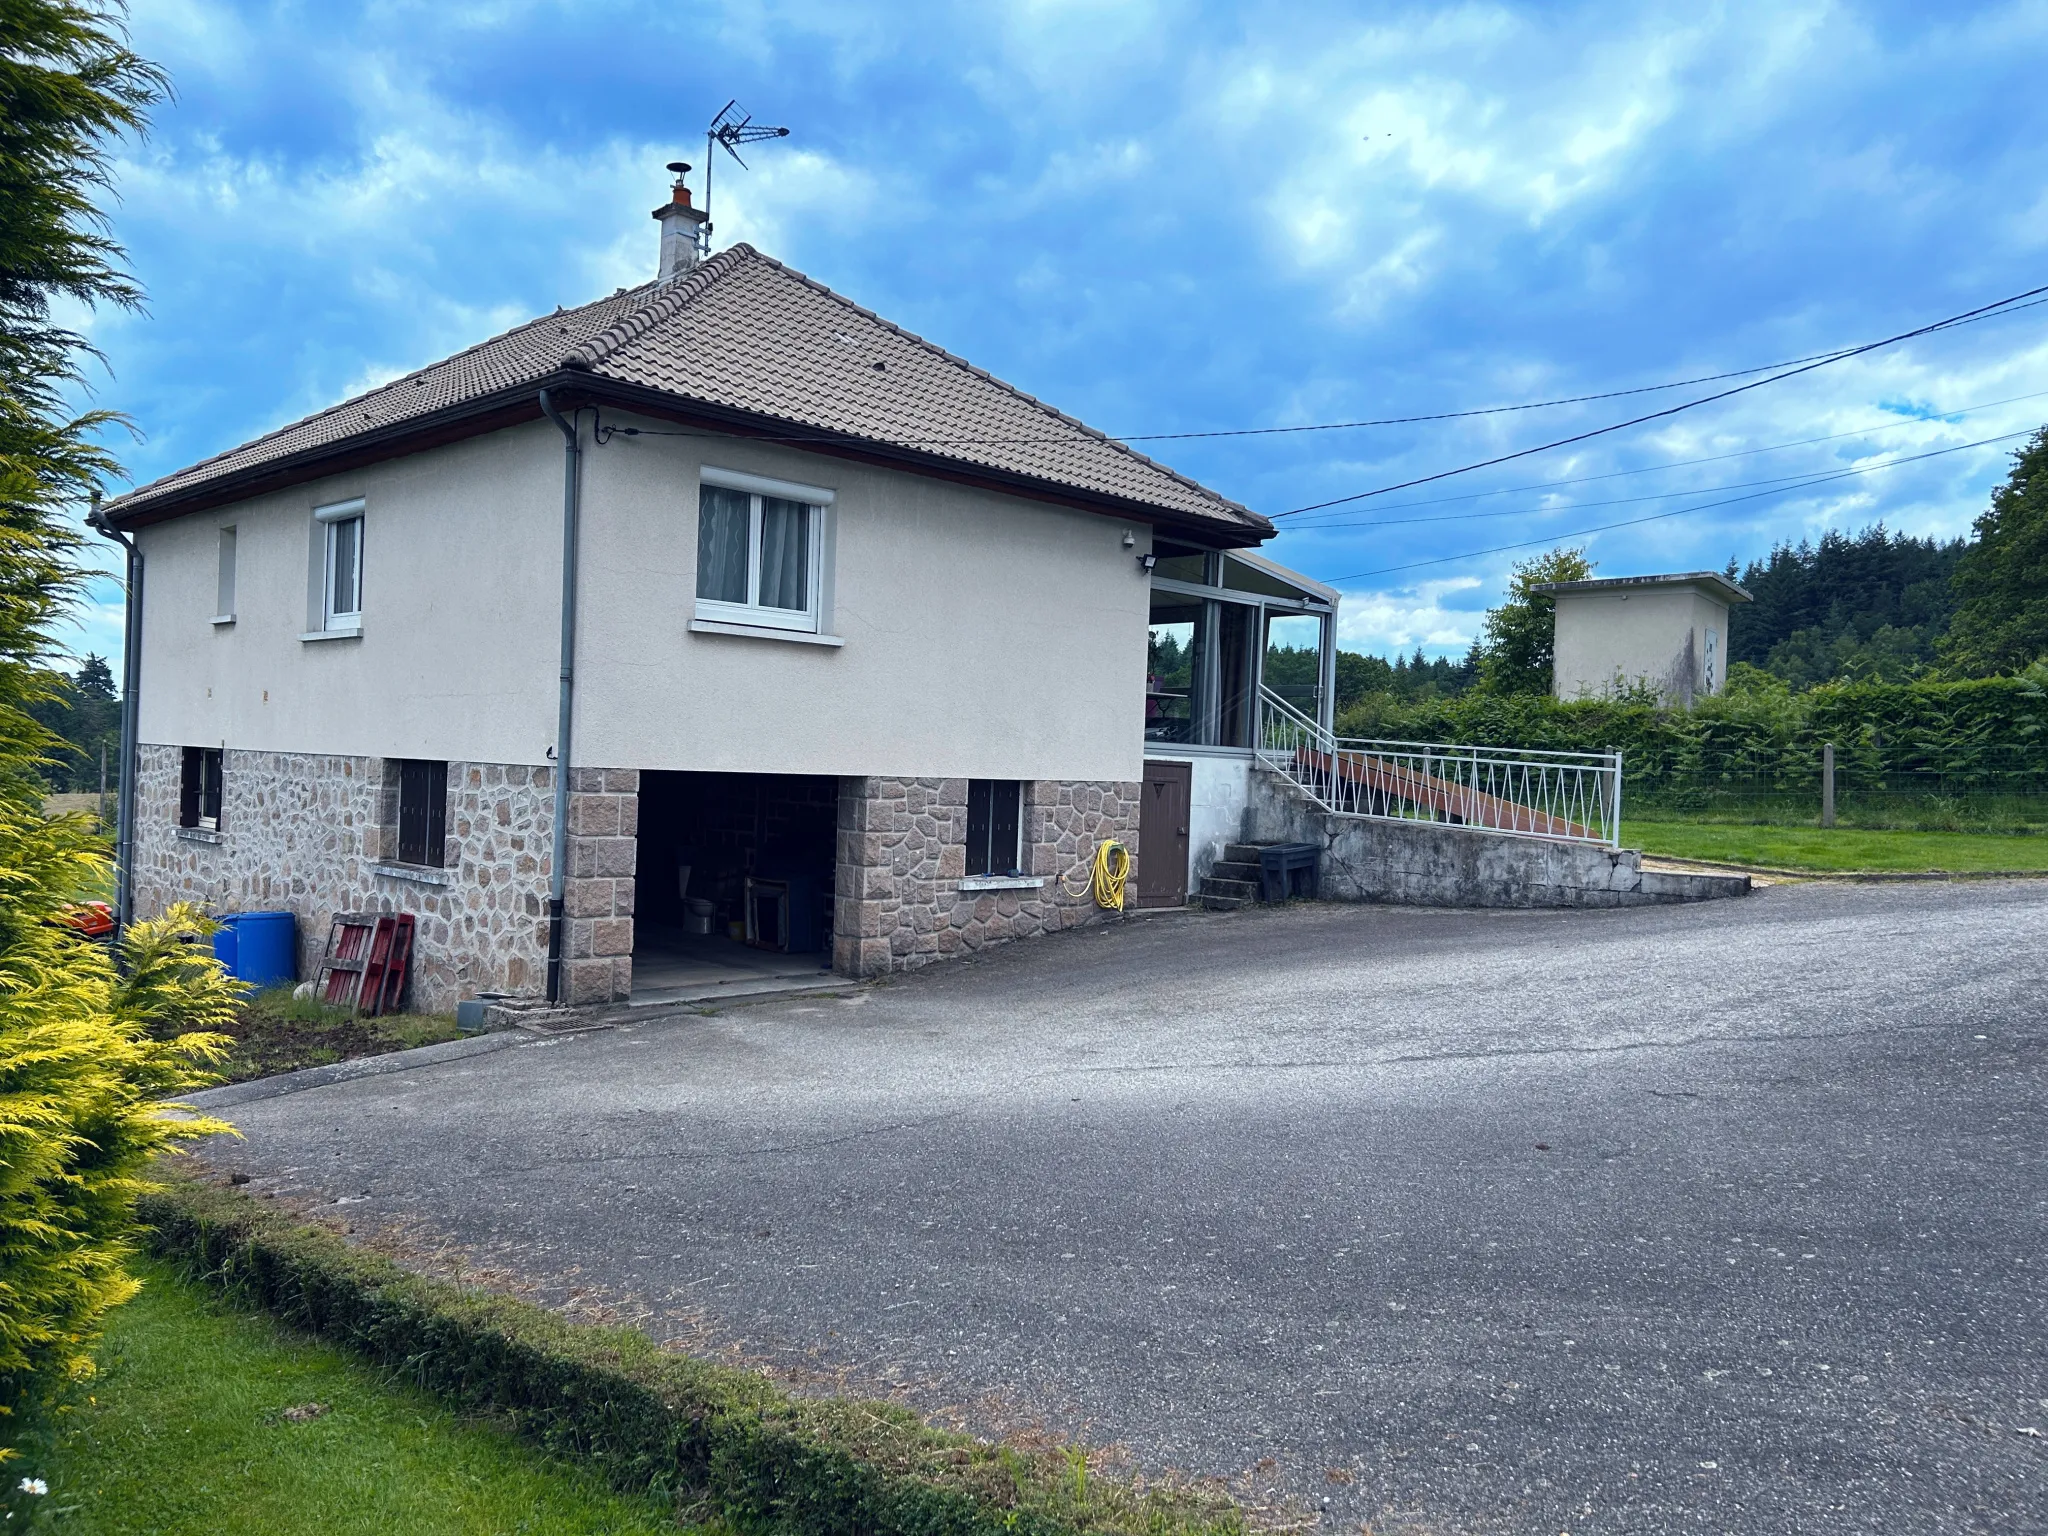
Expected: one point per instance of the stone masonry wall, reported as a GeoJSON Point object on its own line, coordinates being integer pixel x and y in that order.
{"type": "Point", "coordinates": [317, 834]}
{"type": "Point", "coordinates": [597, 898]}
{"type": "Point", "coordinates": [903, 855]}
{"type": "Point", "coordinates": [1430, 864]}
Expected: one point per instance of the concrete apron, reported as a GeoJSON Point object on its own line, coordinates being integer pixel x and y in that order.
{"type": "Point", "coordinates": [1430, 864]}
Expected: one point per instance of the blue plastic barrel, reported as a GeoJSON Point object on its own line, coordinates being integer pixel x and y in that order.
{"type": "Point", "coordinates": [261, 948]}
{"type": "Point", "coordinates": [227, 944]}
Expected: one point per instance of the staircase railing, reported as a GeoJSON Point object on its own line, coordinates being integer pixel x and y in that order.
{"type": "Point", "coordinates": [1522, 792]}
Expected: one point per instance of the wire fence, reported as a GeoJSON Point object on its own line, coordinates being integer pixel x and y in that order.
{"type": "Point", "coordinates": [1877, 785]}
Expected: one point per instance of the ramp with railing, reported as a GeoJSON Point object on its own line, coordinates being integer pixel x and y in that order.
{"type": "Point", "coordinates": [1573, 796]}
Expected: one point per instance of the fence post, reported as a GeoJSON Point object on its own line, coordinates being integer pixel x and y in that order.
{"type": "Point", "coordinates": [1616, 842]}
{"type": "Point", "coordinates": [1827, 785]}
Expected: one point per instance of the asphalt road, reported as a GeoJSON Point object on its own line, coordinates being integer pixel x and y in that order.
{"type": "Point", "coordinates": [1723, 1218]}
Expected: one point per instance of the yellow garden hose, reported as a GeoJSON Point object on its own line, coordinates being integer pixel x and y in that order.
{"type": "Point", "coordinates": [1105, 876]}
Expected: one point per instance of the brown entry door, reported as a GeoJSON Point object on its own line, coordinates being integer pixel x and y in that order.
{"type": "Point", "coordinates": [1163, 835]}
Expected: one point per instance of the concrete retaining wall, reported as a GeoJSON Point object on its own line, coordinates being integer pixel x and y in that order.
{"type": "Point", "coordinates": [1427, 864]}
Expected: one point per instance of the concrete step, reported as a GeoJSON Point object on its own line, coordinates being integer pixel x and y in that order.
{"type": "Point", "coordinates": [1222, 903]}
{"type": "Point", "coordinates": [1243, 853]}
{"type": "Point", "coordinates": [1234, 869]}
{"type": "Point", "coordinates": [1234, 890]}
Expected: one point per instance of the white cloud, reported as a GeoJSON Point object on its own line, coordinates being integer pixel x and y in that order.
{"type": "Point", "coordinates": [1399, 619]}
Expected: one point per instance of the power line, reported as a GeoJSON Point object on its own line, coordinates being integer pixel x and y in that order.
{"type": "Point", "coordinates": [1893, 425]}
{"type": "Point", "coordinates": [1538, 405]}
{"type": "Point", "coordinates": [1788, 482]}
{"type": "Point", "coordinates": [1818, 359]}
{"type": "Point", "coordinates": [1982, 311]}
{"type": "Point", "coordinates": [1488, 410]}
{"type": "Point", "coordinates": [1632, 522]}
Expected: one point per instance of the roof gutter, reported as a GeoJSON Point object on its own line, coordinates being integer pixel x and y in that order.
{"type": "Point", "coordinates": [131, 684]}
{"type": "Point", "coordinates": [572, 460]}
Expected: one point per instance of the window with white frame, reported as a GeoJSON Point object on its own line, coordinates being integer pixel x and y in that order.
{"type": "Point", "coordinates": [199, 787]}
{"type": "Point", "coordinates": [341, 583]}
{"type": "Point", "coordinates": [760, 550]}
{"type": "Point", "coordinates": [224, 580]}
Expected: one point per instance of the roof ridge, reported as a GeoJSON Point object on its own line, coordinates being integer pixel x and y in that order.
{"type": "Point", "coordinates": [1004, 384]}
{"type": "Point", "coordinates": [677, 294]}
{"type": "Point", "coordinates": [370, 393]}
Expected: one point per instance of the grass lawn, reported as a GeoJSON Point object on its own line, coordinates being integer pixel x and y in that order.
{"type": "Point", "coordinates": [198, 1423]}
{"type": "Point", "coordinates": [1841, 848]}
{"type": "Point", "coordinates": [280, 1033]}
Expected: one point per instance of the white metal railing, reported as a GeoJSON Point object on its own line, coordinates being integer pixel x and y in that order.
{"type": "Point", "coordinates": [1575, 796]}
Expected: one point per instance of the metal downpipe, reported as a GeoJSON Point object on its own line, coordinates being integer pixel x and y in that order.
{"type": "Point", "coordinates": [572, 459]}
{"type": "Point", "coordinates": [131, 685]}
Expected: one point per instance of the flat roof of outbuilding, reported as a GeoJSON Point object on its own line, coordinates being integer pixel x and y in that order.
{"type": "Point", "coordinates": [1713, 582]}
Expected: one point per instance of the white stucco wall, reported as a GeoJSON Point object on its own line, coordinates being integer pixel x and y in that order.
{"type": "Point", "coordinates": [1657, 635]}
{"type": "Point", "coordinates": [458, 653]}
{"type": "Point", "coordinates": [985, 635]}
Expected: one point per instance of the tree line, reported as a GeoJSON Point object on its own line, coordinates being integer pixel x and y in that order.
{"type": "Point", "coordinates": [82, 712]}
{"type": "Point", "coordinates": [1875, 606]}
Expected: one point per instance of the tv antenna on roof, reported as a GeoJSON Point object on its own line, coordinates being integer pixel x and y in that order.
{"type": "Point", "coordinates": [733, 127]}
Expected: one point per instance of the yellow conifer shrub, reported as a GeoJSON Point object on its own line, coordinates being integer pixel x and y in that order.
{"type": "Point", "coordinates": [89, 1057]}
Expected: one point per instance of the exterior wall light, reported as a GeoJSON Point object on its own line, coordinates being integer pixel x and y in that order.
{"type": "Point", "coordinates": [1147, 560]}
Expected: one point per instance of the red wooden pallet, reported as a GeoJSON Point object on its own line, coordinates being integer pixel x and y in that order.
{"type": "Point", "coordinates": [369, 956]}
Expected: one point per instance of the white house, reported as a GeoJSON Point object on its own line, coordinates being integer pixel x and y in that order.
{"type": "Point", "coordinates": [837, 637]}
{"type": "Point", "coordinates": [1669, 632]}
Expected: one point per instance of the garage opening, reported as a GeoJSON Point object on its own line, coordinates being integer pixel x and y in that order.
{"type": "Point", "coordinates": [733, 886]}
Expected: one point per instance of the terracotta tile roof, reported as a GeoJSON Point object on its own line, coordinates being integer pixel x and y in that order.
{"type": "Point", "coordinates": [525, 354]}
{"type": "Point", "coordinates": [744, 333]}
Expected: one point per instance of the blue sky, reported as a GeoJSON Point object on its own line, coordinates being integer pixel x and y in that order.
{"type": "Point", "coordinates": [1171, 218]}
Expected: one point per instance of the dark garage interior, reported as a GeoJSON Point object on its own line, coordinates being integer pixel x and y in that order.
{"type": "Point", "coordinates": [733, 868]}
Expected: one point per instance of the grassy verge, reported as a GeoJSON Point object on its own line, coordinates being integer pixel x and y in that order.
{"type": "Point", "coordinates": [645, 1418]}
{"type": "Point", "coordinates": [277, 1032]}
{"type": "Point", "coordinates": [1840, 848]}
{"type": "Point", "coordinates": [215, 1423]}
{"type": "Point", "coordinates": [1866, 810]}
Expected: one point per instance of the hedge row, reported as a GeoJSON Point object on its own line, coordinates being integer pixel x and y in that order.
{"type": "Point", "coordinates": [1984, 736]}
{"type": "Point", "coordinates": [650, 1419]}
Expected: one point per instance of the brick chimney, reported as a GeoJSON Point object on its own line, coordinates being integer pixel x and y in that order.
{"type": "Point", "coordinates": [680, 224]}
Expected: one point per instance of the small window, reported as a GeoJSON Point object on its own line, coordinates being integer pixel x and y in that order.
{"type": "Point", "coordinates": [422, 812]}
{"type": "Point", "coordinates": [995, 826]}
{"type": "Point", "coordinates": [224, 586]}
{"type": "Point", "coordinates": [759, 544]}
{"type": "Point", "coordinates": [341, 579]}
{"type": "Point", "coordinates": [199, 789]}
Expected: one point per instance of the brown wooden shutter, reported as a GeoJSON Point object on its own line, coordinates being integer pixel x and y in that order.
{"type": "Point", "coordinates": [980, 794]}
{"type": "Point", "coordinates": [190, 770]}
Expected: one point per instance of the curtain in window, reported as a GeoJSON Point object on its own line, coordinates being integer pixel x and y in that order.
{"type": "Point", "coordinates": [345, 591]}
{"type": "Point", "coordinates": [785, 554]}
{"type": "Point", "coordinates": [722, 544]}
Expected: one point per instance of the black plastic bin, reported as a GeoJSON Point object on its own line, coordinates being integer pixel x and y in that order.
{"type": "Point", "coordinates": [1287, 870]}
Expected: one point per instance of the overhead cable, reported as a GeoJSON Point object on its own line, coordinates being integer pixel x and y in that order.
{"type": "Point", "coordinates": [1632, 522]}
{"type": "Point", "coordinates": [1896, 424]}
{"type": "Point", "coordinates": [1982, 311]}
{"type": "Point", "coordinates": [1794, 365]}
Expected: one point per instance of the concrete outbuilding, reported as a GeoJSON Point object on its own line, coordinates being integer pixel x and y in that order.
{"type": "Point", "coordinates": [1670, 632]}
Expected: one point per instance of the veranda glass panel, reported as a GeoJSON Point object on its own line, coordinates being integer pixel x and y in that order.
{"type": "Point", "coordinates": [1172, 667]}
{"type": "Point", "coordinates": [1294, 660]}
{"type": "Point", "coordinates": [722, 516]}
{"type": "Point", "coordinates": [1236, 662]}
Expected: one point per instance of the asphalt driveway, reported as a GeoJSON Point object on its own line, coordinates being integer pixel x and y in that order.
{"type": "Point", "coordinates": [1725, 1218]}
